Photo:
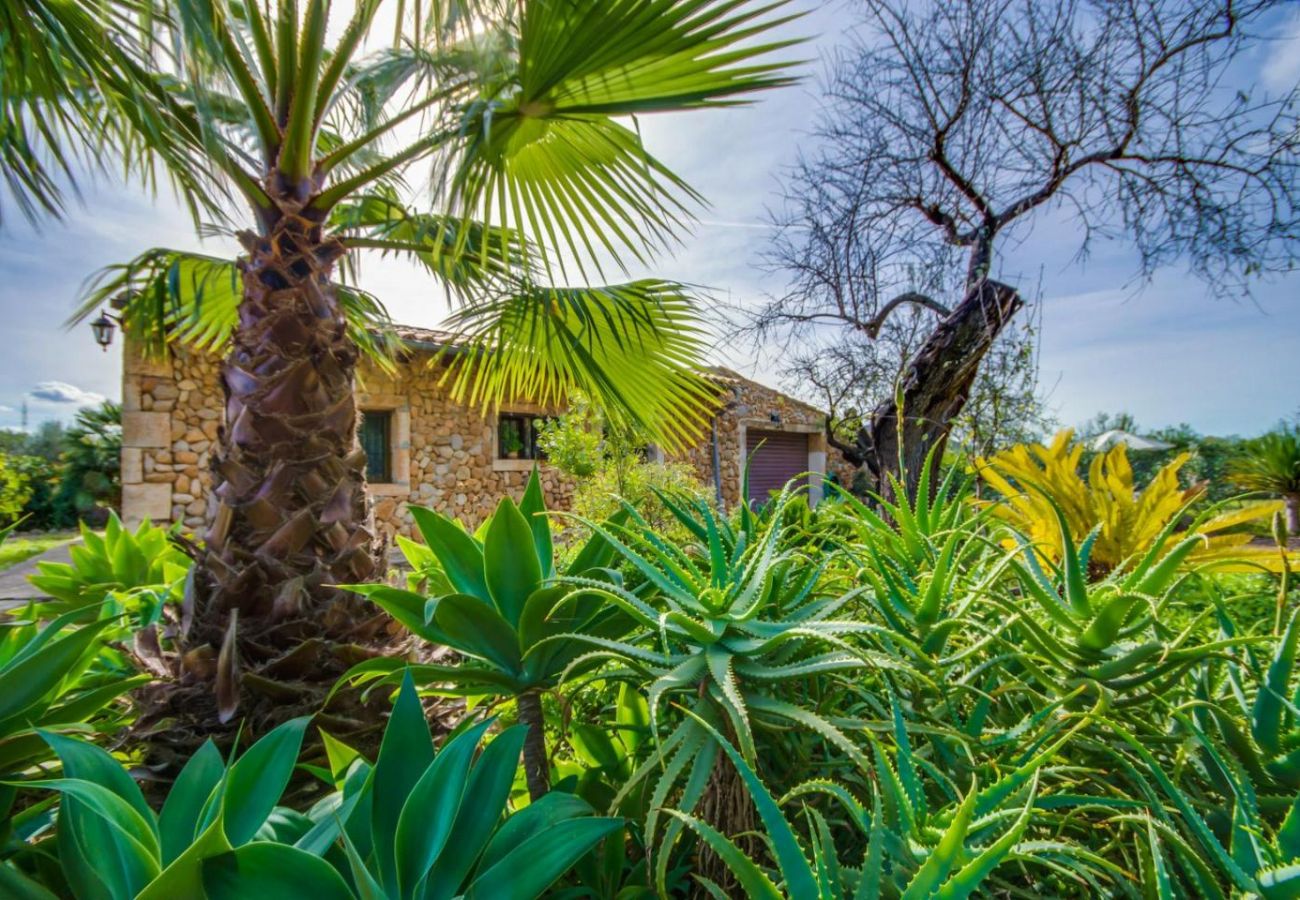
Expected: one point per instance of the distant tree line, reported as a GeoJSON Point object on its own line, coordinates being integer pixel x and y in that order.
{"type": "Point", "coordinates": [56, 476]}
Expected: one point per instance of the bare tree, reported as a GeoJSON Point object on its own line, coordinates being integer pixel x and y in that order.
{"type": "Point", "coordinates": [953, 124]}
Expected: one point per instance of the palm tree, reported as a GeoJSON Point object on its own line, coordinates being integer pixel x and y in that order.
{"type": "Point", "coordinates": [1272, 464]}
{"type": "Point", "coordinates": [521, 118]}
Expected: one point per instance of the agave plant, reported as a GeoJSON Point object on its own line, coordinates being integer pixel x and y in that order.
{"type": "Point", "coordinates": [502, 608]}
{"type": "Point", "coordinates": [415, 824]}
{"type": "Point", "coordinates": [54, 678]}
{"type": "Point", "coordinates": [1037, 481]}
{"type": "Point", "coordinates": [119, 562]}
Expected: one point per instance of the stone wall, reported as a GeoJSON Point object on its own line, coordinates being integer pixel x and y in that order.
{"type": "Point", "coordinates": [444, 454]}
{"type": "Point", "coordinates": [748, 404]}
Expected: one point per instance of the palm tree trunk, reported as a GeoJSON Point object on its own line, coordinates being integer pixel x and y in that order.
{"type": "Point", "coordinates": [288, 516]}
{"type": "Point", "coordinates": [537, 768]}
{"type": "Point", "coordinates": [1291, 503]}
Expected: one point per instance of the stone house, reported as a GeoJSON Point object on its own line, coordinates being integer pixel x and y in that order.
{"type": "Point", "coordinates": [428, 450]}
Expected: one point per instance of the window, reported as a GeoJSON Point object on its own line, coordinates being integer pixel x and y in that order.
{"type": "Point", "coordinates": [517, 436]}
{"type": "Point", "coordinates": [374, 437]}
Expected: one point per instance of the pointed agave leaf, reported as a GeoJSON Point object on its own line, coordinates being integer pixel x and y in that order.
{"type": "Point", "coordinates": [533, 507]}
{"type": "Point", "coordinates": [488, 787]}
{"type": "Point", "coordinates": [404, 754]}
{"type": "Point", "coordinates": [25, 683]}
{"type": "Point", "coordinates": [179, 820]}
{"type": "Point", "coordinates": [257, 779]}
{"type": "Point", "coordinates": [430, 810]}
{"type": "Point", "coordinates": [475, 627]}
{"type": "Point", "coordinates": [266, 869]}
{"type": "Point", "coordinates": [532, 866]}
{"type": "Point", "coordinates": [460, 555]}
{"type": "Point", "coordinates": [513, 568]}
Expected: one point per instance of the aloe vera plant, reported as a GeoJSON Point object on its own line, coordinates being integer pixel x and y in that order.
{"type": "Point", "coordinates": [415, 824]}
{"type": "Point", "coordinates": [728, 628]}
{"type": "Point", "coordinates": [1107, 631]}
{"type": "Point", "coordinates": [913, 848]}
{"type": "Point", "coordinates": [502, 607]}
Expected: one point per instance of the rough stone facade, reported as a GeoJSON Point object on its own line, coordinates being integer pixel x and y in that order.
{"type": "Point", "coordinates": [443, 454]}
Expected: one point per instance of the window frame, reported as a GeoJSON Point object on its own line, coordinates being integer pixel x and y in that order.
{"type": "Point", "coordinates": [524, 462]}
{"type": "Point", "coordinates": [389, 419]}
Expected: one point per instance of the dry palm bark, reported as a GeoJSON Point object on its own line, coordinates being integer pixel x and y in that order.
{"type": "Point", "coordinates": [290, 517]}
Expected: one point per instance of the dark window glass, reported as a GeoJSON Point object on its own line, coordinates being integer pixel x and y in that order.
{"type": "Point", "coordinates": [517, 436]}
{"type": "Point", "coordinates": [374, 438]}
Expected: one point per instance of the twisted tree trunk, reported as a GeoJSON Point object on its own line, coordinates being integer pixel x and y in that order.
{"type": "Point", "coordinates": [905, 428]}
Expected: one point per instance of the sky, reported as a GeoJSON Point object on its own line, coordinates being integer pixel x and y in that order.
{"type": "Point", "coordinates": [1168, 352]}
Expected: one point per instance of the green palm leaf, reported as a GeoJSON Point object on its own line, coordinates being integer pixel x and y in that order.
{"type": "Point", "coordinates": [635, 348]}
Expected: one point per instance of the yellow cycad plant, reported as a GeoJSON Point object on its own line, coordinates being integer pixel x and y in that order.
{"type": "Point", "coordinates": [1129, 522]}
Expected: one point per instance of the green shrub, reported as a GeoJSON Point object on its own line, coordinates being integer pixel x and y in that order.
{"type": "Point", "coordinates": [497, 602]}
{"type": "Point", "coordinates": [415, 823]}
{"type": "Point", "coordinates": [122, 563]}
{"type": "Point", "coordinates": [15, 490]}
{"type": "Point", "coordinates": [90, 465]}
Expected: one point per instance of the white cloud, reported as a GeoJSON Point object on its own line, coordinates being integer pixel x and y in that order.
{"type": "Point", "coordinates": [64, 393]}
{"type": "Point", "coordinates": [1281, 68]}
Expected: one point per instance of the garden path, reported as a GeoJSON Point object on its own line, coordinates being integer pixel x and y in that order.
{"type": "Point", "coordinates": [14, 586]}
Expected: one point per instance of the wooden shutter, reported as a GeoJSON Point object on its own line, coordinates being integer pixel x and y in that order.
{"type": "Point", "coordinates": [775, 458]}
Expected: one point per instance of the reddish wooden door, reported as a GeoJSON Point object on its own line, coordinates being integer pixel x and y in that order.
{"type": "Point", "coordinates": [775, 457]}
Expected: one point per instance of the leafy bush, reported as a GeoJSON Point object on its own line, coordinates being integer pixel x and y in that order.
{"type": "Point", "coordinates": [144, 561]}
{"type": "Point", "coordinates": [90, 464]}
{"type": "Point", "coordinates": [1271, 464]}
{"type": "Point", "coordinates": [15, 490]}
{"type": "Point", "coordinates": [1035, 480]}
{"type": "Point", "coordinates": [414, 824]}
{"type": "Point", "coordinates": [498, 604]}
{"type": "Point", "coordinates": [611, 466]}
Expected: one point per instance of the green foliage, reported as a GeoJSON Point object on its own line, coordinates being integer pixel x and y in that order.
{"type": "Point", "coordinates": [609, 465]}
{"type": "Point", "coordinates": [414, 824]}
{"type": "Point", "coordinates": [120, 563]}
{"type": "Point", "coordinates": [882, 698]}
{"type": "Point", "coordinates": [499, 603]}
{"type": "Point", "coordinates": [91, 463]}
{"type": "Point", "coordinates": [15, 490]}
{"type": "Point", "coordinates": [1270, 463]}
{"type": "Point", "coordinates": [54, 678]}
{"type": "Point", "coordinates": [67, 473]}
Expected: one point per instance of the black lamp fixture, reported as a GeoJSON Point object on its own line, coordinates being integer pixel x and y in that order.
{"type": "Point", "coordinates": [103, 329]}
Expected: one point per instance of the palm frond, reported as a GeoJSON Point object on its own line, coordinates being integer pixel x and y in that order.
{"type": "Point", "coordinates": [171, 296]}
{"type": "Point", "coordinates": [634, 348]}
{"type": "Point", "coordinates": [542, 150]}
{"type": "Point", "coordinates": [379, 221]}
